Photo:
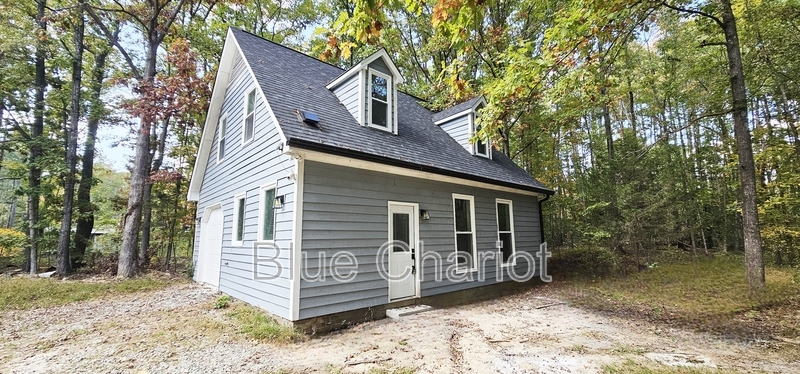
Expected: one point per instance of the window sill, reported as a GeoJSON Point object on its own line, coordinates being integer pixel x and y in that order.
{"type": "Point", "coordinates": [382, 128]}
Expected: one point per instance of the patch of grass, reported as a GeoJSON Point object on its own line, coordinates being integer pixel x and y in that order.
{"type": "Point", "coordinates": [578, 348]}
{"type": "Point", "coordinates": [628, 350]}
{"type": "Point", "coordinates": [260, 326]}
{"type": "Point", "coordinates": [27, 293]}
{"type": "Point", "coordinates": [632, 367]}
{"type": "Point", "coordinates": [709, 293]}
{"type": "Point", "coordinates": [222, 302]}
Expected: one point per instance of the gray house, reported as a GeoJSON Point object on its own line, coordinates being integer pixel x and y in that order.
{"type": "Point", "coordinates": [305, 172]}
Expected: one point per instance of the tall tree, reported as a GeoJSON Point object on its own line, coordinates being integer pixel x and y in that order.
{"type": "Point", "coordinates": [36, 132]}
{"type": "Point", "coordinates": [153, 19]}
{"type": "Point", "coordinates": [64, 265]}
{"type": "Point", "coordinates": [85, 221]}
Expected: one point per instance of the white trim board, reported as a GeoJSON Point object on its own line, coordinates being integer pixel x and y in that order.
{"type": "Point", "coordinates": [297, 240]}
{"type": "Point", "coordinates": [463, 112]}
{"type": "Point", "coordinates": [363, 64]}
{"type": "Point", "coordinates": [396, 170]}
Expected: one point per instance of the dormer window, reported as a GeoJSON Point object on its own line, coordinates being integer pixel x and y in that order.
{"type": "Point", "coordinates": [369, 92]}
{"type": "Point", "coordinates": [461, 123]}
{"type": "Point", "coordinates": [481, 147]}
{"type": "Point", "coordinates": [380, 97]}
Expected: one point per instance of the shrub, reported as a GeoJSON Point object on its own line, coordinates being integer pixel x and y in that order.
{"type": "Point", "coordinates": [12, 242]}
{"type": "Point", "coordinates": [583, 261]}
{"type": "Point", "coordinates": [223, 302]}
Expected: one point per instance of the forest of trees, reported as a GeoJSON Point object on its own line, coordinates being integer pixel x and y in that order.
{"type": "Point", "coordinates": [658, 123]}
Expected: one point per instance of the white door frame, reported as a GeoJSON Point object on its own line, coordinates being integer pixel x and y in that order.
{"type": "Point", "coordinates": [203, 235]}
{"type": "Point", "coordinates": [416, 250]}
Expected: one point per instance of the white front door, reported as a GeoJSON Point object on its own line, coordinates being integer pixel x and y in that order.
{"type": "Point", "coordinates": [208, 262]}
{"type": "Point", "coordinates": [402, 258]}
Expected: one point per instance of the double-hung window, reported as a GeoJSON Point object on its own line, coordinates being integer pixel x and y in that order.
{"type": "Point", "coordinates": [266, 213]}
{"type": "Point", "coordinates": [466, 244]}
{"type": "Point", "coordinates": [238, 220]}
{"type": "Point", "coordinates": [380, 99]}
{"type": "Point", "coordinates": [223, 124]}
{"type": "Point", "coordinates": [481, 147]}
{"type": "Point", "coordinates": [249, 117]}
{"type": "Point", "coordinates": [505, 231]}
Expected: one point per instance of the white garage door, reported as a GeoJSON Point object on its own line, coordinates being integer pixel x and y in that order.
{"type": "Point", "coordinates": [210, 247]}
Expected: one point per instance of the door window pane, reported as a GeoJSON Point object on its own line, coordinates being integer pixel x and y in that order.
{"type": "Point", "coordinates": [401, 227]}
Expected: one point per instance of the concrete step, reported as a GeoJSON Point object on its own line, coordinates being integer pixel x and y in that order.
{"type": "Point", "coordinates": [407, 311]}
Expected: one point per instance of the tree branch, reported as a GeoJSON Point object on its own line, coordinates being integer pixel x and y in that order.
{"type": "Point", "coordinates": [706, 43]}
{"type": "Point", "coordinates": [695, 12]}
{"type": "Point", "coordinates": [113, 40]}
{"type": "Point", "coordinates": [688, 124]}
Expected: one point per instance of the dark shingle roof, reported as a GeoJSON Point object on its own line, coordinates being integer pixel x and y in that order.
{"type": "Point", "coordinates": [456, 109]}
{"type": "Point", "coordinates": [293, 81]}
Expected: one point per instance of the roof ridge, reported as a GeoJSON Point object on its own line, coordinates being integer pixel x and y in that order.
{"type": "Point", "coordinates": [322, 61]}
{"type": "Point", "coordinates": [285, 47]}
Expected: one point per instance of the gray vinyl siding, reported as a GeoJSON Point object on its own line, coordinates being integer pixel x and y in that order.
{"type": "Point", "coordinates": [459, 130]}
{"type": "Point", "coordinates": [347, 92]}
{"type": "Point", "coordinates": [346, 209]}
{"type": "Point", "coordinates": [245, 169]}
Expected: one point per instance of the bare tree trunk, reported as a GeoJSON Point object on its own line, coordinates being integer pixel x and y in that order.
{"type": "Point", "coordinates": [35, 149]}
{"type": "Point", "coordinates": [754, 263]}
{"type": "Point", "coordinates": [85, 221]}
{"type": "Point", "coordinates": [147, 213]}
{"type": "Point", "coordinates": [63, 265]}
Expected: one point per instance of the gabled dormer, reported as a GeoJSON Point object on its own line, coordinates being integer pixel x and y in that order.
{"type": "Point", "coordinates": [460, 122]}
{"type": "Point", "coordinates": [369, 91]}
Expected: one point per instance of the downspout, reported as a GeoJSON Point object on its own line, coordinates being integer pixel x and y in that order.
{"type": "Point", "coordinates": [541, 221]}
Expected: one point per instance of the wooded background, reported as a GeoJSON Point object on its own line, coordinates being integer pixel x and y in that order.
{"type": "Point", "coordinates": [658, 123]}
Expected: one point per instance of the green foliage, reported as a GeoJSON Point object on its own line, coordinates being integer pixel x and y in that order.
{"type": "Point", "coordinates": [27, 293]}
{"type": "Point", "coordinates": [705, 293]}
{"type": "Point", "coordinates": [12, 242]}
{"type": "Point", "coordinates": [260, 326]}
{"type": "Point", "coordinates": [223, 302]}
{"type": "Point", "coordinates": [583, 261]}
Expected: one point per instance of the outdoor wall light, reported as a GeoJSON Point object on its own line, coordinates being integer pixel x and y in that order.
{"type": "Point", "coordinates": [278, 204]}
{"type": "Point", "coordinates": [424, 214]}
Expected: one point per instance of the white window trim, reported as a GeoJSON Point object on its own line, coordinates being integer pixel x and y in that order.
{"type": "Point", "coordinates": [390, 123]}
{"type": "Point", "coordinates": [261, 212]}
{"type": "Point", "coordinates": [236, 212]}
{"type": "Point", "coordinates": [474, 232]}
{"type": "Point", "coordinates": [247, 93]}
{"type": "Point", "coordinates": [222, 119]}
{"type": "Point", "coordinates": [513, 239]}
{"type": "Point", "coordinates": [473, 129]}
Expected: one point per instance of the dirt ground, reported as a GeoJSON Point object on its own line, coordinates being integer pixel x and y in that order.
{"type": "Point", "coordinates": [176, 330]}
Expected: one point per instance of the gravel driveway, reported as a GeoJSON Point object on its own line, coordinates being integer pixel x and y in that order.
{"type": "Point", "coordinates": [176, 330]}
